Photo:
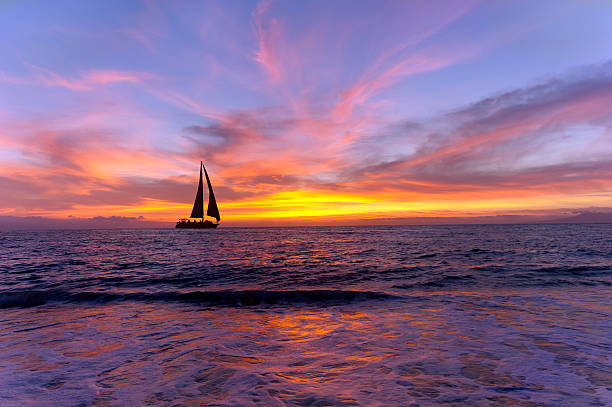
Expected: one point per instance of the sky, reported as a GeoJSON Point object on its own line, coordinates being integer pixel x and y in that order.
{"type": "Point", "coordinates": [305, 112]}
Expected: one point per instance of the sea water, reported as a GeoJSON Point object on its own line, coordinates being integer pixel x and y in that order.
{"type": "Point", "coordinates": [478, 315]}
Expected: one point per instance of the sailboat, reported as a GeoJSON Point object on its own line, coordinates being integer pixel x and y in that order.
{"type": "Point", "coordinates": [198, 208]}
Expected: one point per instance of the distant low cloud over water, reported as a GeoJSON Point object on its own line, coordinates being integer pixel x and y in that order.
{"type": "Point", "coordinates": [97, 222]}
{"type": "Point", "coordinates": [319, 113]}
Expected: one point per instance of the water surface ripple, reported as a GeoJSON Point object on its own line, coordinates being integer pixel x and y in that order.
{"type": "Point", "coordinates": [502, 315]}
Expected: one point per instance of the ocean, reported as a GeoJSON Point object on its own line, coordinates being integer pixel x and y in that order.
{"type": "Point", "coordinates": [466, 315]}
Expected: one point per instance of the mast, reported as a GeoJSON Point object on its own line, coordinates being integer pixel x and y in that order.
{"type": "Point", "coordinates": [213, 209]}
{"type": "Point", "coordinates": [198, 205]}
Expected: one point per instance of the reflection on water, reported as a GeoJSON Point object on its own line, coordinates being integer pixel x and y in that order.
{"type": "Point", "coordinates": [474, 315]}
{"type": "Point", "coordinates": [514, 348]}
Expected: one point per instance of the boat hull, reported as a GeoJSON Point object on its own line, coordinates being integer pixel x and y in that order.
{"type": "Point", "coordinates": [196, 225]}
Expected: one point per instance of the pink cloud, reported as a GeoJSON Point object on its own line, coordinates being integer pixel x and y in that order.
{"type": "Point", "coordinates": [404, 60]}
{"type": "Point", "coordinates": [12, 80]}
{"type": "Point", "coordinates": [370, 84]}
{"type": "Point", "coordinates": [109, 76]}
{"type": "Point", "coordinates": [185, 102]}
{"type": "Point", "coordinates": [49, 78]}
{"type": "Point", "coordinates": [520, 143]}
{"type": "Point", "coordinates": [149, 26]}
{"type": "Point", "coordinates": [85, 81]}
{"type": "Point", "coordinates": [268, 33]}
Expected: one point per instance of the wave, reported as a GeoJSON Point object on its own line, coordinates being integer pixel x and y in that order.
{"type": "Point", "coordinates": [454, 281]}
{"type": "Point", "coordinates": [583, 270]}
{"type": "Point", "coordinates": [26, 299]}
{"type": "Point", "coordinates": [500, 276]}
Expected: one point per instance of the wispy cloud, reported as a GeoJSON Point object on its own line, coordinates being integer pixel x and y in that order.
{"type": "Point", "coordinates": [368, 85]}
{"type": "Point", "coordinates": [95, 76]}
{"type": "Point", "coordinates": [84, 82]}
{"type": "Point", "coordinates": [268, 31]}
{"type": "Point", "coordinates": [504, 142]}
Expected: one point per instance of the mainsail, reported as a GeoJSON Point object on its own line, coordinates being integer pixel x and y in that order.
{"type": "Point", "coordinates": [213, 209]}
{"type": "Point", "coordinates": [198, 205]}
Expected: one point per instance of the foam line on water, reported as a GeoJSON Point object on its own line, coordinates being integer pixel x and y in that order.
{"type": "Point", "coordinates": [26, 299]}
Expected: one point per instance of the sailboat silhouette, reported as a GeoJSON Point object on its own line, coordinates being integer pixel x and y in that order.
{"type": "Point", "coordinates": [198, 207]}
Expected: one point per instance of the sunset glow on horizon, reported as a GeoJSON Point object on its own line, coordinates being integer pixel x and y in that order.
{"type": "Point", "coordinates": [305, 111]}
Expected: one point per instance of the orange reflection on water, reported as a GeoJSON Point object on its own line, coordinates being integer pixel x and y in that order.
{"type": "Point", "coordinates": [421, 351]}
{"type": "Point", "coordinates": [302, 326]}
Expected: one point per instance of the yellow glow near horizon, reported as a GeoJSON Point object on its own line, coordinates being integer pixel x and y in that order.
{"type": "Point", "coordinates": [303, 204]}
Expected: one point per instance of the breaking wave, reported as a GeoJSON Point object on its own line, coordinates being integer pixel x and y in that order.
{"type": "Point", "coordinates": [25, 299]}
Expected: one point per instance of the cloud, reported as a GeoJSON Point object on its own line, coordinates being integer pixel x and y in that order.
{"type": "Point", "coordinates": [102, 222]}
{"type": "Point", "coordinates": [183, 102]}
{"type": "Point", "coordinates": [489, 150]}
{"type": "Point", "coordinates": [368, 85]}
{"type": "Point", "coordinates": [108, 76]}
{"type": "Point", "coordinates": [149, 25]}
{"type": "Point", "coordinates": [497, 139]}
{"type": "Point", "coordinates": [47, 77]}
{"type": "Point", "coordinates": [268, 33]}
{"type": "Point", "coordinates": [84, 82]}
{"type": "Point", "coordinates": [434, 47]}
{"type": "Point", "coordinates": [493, 147]}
